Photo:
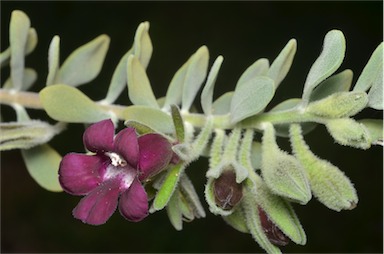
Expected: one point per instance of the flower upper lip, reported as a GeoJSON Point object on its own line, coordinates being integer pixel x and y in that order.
{"type": "Point", "coordinates": [116, 169]}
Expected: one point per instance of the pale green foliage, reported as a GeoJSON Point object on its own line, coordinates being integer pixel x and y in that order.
{"type": "Point", "coordinates": [328, 62]}
{"type": "Point", "coordinates": [268, 177]}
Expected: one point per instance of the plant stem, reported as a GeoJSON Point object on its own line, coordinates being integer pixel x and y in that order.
{"type": "Point", "coordinates": [32, 100]}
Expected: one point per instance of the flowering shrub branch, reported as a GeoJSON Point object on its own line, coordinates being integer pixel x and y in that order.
{"type": "Point", "coordinates": [251, 183]}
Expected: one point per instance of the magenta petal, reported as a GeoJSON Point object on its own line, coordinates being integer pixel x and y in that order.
{"type": "Point", "coordinates": [99, 205]}
{"type": "Point", "coordinates": [80, 173]}
{"type": "Point", "coordinates": [127, 146]}
{"type": "Point", "coordinates": [133, 203]}
{"type": "Point", "coordinates": [99, 136]}
{"type": "Point", "coordinates": [155, 154]}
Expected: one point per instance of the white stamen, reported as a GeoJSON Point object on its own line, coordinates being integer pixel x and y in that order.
{"type": "Point", "coordinates": [116, 159]}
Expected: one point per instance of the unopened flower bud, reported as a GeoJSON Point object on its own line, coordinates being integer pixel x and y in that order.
{"type": "Point", "coordinates": [227, 191]}
{"type": "Point", "coordinates": [274, 234]}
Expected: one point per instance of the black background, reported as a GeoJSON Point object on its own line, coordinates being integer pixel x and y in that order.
{"type": "Point", "coordinates": [34, 220]}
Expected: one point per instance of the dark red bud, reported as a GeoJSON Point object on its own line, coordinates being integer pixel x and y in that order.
{"type": "Point", "coordinates": [228, 192]}
{"type": "Point", "coordinates": [273, 233]}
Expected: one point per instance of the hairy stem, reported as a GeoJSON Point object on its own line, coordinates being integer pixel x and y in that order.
{"type": "Point", "coordinates": [32, 100]}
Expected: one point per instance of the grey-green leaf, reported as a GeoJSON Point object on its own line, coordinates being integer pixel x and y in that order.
{"type": "Point", "coordinates": [53, 60]}
{"type": "Point", "coordinates": [18, 34]}
{"type": "Point", "coordinates": [327, 63]}
{"type": "Point", "coordinates": [222, 105]}
{"type": "Point", "coordinates": [85, 63]}
{"type": "Point", "coordinates": [280, 67]}
{"type": "Point", "coordinates": [373, 68]}
{"type": "Point", "coordinates": [43, 163]}
{"type": "Point", "coordinates": [375, 94]}
{"type": "Point", "coordinates": [29, 78]}
{"type": "Point", "coordinates": [207, 93]}
{"type": "Point", "coordinates": [194, 77]}
{"type": "Point", "coordinates": [340, 82]}
{"type": "Point", "coordinates": [119, 80]}
{"type": "Point", "coordinates": [251, 98]}
{"type": "Point", "coordinates": [142, 46]}
{"type": "Point", "coordinates": [139, 88]}
{"type": "Point", "coordinates": [68, 104]}
{"type": "Point", "coordinates": [154, 118]}
{"type": "Point", "coordinates": [258, 68]}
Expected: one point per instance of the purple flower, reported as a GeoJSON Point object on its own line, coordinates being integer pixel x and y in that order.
{"type": "Point", "coordinates": [117, 168]}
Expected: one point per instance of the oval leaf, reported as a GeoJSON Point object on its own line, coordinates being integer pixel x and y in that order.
{"type": "Point", "coordinates": [85, 63]}
{"type": "Point", "coordinates": [327, 63]}
{"type": "Point", "coordinates": [42, 163]}
{"type": "Point", "coordinates": [251, 98]}
{"type": "Point", "coordinates": [139, 88]}
{"type": "Point", "coordinates": [258, 68]}
{"type": "Point", "coordinates": [68, 104]}
{"type": "Point", "coordinates": [154, 118]}
{"type": "Point", "coordinates": [375, 94]}
{"type": "Point", "coordinates": [222, 105]}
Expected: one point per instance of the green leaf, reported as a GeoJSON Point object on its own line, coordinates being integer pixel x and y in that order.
{"type": "Point", "coordinates": [328, 183]}
{"type": "Point", "coordinates": [154, 118]}
{"type": "Point", "coordinates": [375, 94]}
{"type": "Point", "coordinates": [178, 123]}
{"type": "Point", "coordinates": [371, 70]}
{"type": "Point", "coordinates": [43, 164]}
{"type": "Point", "coordinates": [139, 87]}
{"type": "Point", "coordinates": [282, 172]}
{"type": "Point", "coordinates": [340, 82]}
{"type": "Point", "coordinates": [375, 129]}
{"type": "Point", "coordinates": [174, 212]}
{"type": "Point", "coordinates": [29, 47]}
{"type": "Point", "coordinates": [282, 130]}
{"type": "Point", "coordinates": [256, 155]}
{"type": "Point", "coordinates": [194, 76]}
{"type": "Point", "coordinates": [18, 35]}
{"type": "Point", "coordinates": [53, 60]}
{"type": "Point", "coordinates": [280, 67]}
{"type": "Point", "coordinates": [168, 186]}
{"type": "Point", "coordinates": [339, 105]}
{"type": "Point", "coordinates": [26, 134]}
{"type": "Point", "coordinates": [258, 68]}
{"type": "Point", "coordinates": [348, 132]}
{"type": "Point", "coordinates": [327, 63]}
{"type": "Point", "coordinates": [85, 63]}
{"type": "Point", "coordinates": [207, 93]}
{"type": "Point", "coordinates": [222, 105]}
{"type": "Point", "coordinates": [190, 196]}
{"type": "Point", "coordinates": [251, 98]}
{"type": "Point", "coordinates": [68, 104]}
{"type": "Point", "coordinates": [119, 80]}
{"type": "Point", "coordinates": [142, 46]}
{"type": "Point", "coordinates": [29, 78]}
{"type": "Point", "coordinates": [139, 127]}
